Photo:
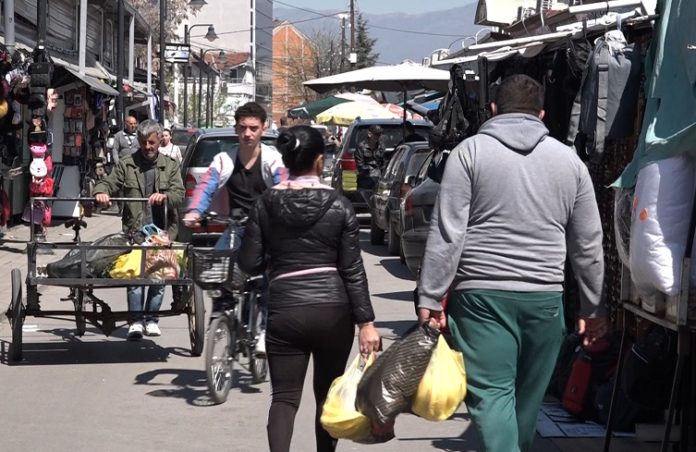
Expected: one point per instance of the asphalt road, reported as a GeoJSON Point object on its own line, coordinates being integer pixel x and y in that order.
{"type": "Point", "coordinates": [104, 393]}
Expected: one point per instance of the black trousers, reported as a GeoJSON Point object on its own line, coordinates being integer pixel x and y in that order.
{"type": "Point", "coordinates": [324, 332]}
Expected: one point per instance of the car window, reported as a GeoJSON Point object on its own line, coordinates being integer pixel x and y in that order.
{"type": "Point", "coordinates": [416, 162]}
{"type": "Point", "coordinates": [391, 134]}
{"type": "Point", "coordinates": [390, 171]}
{"type": "Point", "coordinates": [181, 137]}
{"type": "Point", "coordinates": [207, 148]}
{"type": "Point", "coordinates": [423, 171]}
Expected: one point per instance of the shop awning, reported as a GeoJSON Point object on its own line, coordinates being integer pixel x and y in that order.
{"type": "Point", "coordinates": [94, 83]}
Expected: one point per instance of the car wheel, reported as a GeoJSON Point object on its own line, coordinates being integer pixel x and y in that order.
{"type": "Point", "coordinates": [376, 234]}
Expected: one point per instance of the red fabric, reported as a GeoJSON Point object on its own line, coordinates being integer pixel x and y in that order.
{"type": "Point", "coordinates": [578, 384]}
{"type": "Point", "coordinates": [43, 187]}
{"type": "Point", "coordinates": [6, 208]}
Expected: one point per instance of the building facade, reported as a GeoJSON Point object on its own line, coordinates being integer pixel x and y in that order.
{"type": "Point", "coordinates": [242, 26]}
{"type": "Point", "coordinates": [294, 61]}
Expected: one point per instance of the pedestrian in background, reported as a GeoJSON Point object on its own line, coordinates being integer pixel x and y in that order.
{"type": "Point", "coordinates": [512, 204]}
{"type": "Point", "coordinates": [145, 174]}
{"type": "Point", "coordinates": [307, 236]}
{"type": "Point", "coordinates": [126, 140]}
{"type": "Point", "coordinates": [168, 148]}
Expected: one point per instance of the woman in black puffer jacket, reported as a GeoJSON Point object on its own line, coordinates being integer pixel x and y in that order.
{"type": "Point", "coordinates": [305, 236]}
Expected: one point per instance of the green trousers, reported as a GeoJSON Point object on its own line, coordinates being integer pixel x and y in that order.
{"type": "Point", "coordinates": [510, 342]}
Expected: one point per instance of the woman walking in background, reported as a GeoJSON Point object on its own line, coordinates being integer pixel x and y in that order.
{"type": "Point", "coordinates": [306, 237]}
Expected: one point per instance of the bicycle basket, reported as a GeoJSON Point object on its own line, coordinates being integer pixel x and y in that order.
{"type": "Point", "coordinates": [212, 268]}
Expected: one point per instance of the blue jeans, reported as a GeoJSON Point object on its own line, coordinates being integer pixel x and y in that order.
{"type": "Point", "coordinates": [138, 303]}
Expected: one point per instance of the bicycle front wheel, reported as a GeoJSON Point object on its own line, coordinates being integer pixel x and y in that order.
{"type": "Point", "coordinates": [220, 355]}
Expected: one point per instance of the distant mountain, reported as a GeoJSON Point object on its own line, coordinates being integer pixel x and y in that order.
{"type": "Point", "coordinates": [395, 46]}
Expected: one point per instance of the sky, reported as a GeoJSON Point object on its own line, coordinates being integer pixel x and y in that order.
{"type": "Point", "coordinates": [376, 6]}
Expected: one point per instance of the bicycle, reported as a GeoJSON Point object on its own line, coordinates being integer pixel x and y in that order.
{"type": "Point", "coordinates": [235, 320]}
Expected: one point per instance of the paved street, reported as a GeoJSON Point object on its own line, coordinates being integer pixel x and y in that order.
{"type": "Point", "coordinates": [104, 393]}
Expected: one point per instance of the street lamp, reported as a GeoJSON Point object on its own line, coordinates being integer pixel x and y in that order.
{"type": "Point", "coordinates": [210, 36]}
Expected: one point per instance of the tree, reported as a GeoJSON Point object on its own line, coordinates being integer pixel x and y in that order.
{"type": "Point", "coordinates": [177, 12]}
{"type": "Point", "coordinates": [364, 45]}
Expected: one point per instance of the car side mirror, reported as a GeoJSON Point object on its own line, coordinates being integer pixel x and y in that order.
{"type": "Point", "coordinates": [410, 180]}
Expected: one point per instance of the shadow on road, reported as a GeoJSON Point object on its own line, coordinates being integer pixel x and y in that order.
{"type": "Point", "coordinates": [366, 246]}
{"type": "Point", "coordinates": [397, 269]}
{"type": "Point", "coordinates": [191, 385]}
{"type": "Point", "coordinates": [74, 350]}
{"type": "Point", "coordinates": [404, 295]}
{"type": "Point", "coordinates": [398, 327]}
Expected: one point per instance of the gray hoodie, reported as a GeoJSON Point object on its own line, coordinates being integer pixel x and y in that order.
{"type": "Point", "coordinates": [512, 203]}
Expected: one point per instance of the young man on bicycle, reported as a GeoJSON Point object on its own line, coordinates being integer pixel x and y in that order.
{"type": "Point", "coordinates": [245, 173]}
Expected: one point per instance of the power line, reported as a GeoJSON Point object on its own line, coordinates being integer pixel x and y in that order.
{"type": "Point", "coordinates": [333, 16]}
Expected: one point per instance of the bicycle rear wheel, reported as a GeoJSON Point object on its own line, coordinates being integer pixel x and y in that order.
{"type": "Point", "coordinates": [220, 355]}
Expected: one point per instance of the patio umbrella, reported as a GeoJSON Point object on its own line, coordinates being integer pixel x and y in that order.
{"type": "Point", "coordinates": [311, 109]}
{"type": "Point", "coordinates": [399, 77]}
{"type": "Point", "coordinates": [345, 114]}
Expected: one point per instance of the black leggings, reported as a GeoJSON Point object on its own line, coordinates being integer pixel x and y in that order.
{"type": "Point", "coordinates": [326, 333]}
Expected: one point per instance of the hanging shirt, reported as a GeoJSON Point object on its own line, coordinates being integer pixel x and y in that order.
{"type": "Point", "coordinates": [245, 185]}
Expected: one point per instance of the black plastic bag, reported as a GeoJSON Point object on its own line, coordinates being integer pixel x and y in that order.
{"type": "Point", "coordinates": [387, 386]}
{"type": "Point", "coordinates": [98, 261]}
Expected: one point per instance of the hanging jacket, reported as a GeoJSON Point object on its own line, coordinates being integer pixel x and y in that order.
{"type": "Point", "coordinates": [307, 232]}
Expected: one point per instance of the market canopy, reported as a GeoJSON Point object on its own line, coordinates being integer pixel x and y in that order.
{"type": "Point", "coordinates": [345, 114]}
{"type": "Point", "coordinates": [311, 109]}
{"type": "Point", "coordinates": [398, 77]}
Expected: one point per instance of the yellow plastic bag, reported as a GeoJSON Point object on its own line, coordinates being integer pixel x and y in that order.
{"type": "Point", "coordinates": [127, 266]}
{"type": "Point", "coordinates": [339, 416]}
{"type": "Point", "coordinates": [443, 386]}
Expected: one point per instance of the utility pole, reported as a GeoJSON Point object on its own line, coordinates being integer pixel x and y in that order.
{"type": "Point", "coordinates": [162, 82]}
{"type": "Point", "coordinates": [120, 61]}
{"type": "Point", "coordinates": [353, 55]}
{"type": "Point", "coordinates": [343, 41]}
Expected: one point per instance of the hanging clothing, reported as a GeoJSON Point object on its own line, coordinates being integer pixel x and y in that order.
{"type": "Point", "coordinates": [669, 123]}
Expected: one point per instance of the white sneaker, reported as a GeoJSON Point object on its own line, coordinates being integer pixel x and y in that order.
{"type": "Point", "coordinates": [152, 329]}
{"type": "Point", "coordinates": [135, 331]}
{"type": "Point", "coordinates": [260, 348]}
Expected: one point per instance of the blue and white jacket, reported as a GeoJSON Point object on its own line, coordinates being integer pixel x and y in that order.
{"type": "Point", "coordinates": [220, 170]}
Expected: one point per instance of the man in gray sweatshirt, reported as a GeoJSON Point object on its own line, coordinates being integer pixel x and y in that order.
{"type": "Point", "coordinates": [513, 204]}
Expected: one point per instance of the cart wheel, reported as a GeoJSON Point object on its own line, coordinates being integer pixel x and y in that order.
{"type": "Point", "coordinates": [80, 321]}
{"type": "Point", "coordinates": [196, 319]}
{"type": "Point", "coordinates": [220, 356]}
{"type": "Point", "coordinates": [17, 314]}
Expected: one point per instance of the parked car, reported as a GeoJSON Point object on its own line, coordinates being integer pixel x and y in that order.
{"type": "Point", "coordinates": [416, 211]}
{"type": "Point", "coordinates": [197, 157]}
{"type": "Point", "coordinates": [183, 136]}
{"type": "Point", "coordinates": [395, 182]}
{"type": "Point", "coordinates": [345, 177]}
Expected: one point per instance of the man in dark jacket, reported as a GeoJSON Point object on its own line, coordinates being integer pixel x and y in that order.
{"type": "Point", "coordinates": [145, 174]}
{"type": "Point", "coordinates": [513, 204]}
{"type": "Point", "coordinates": [369, 158]}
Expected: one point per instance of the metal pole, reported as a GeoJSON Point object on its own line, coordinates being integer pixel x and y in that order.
{"type": "Point", "coordinates": [200, 90]}
{"type": "Point", "coordinates": [41, 12]}
{"type": "Point", "coordinates": [8, 6]}
{"type": "Point", "coordinates": [207, 100]}
{"type": "Point", "coordinates": [162, 34]}
{"type": "Point", "coordinates": [253, 47]}
{"type": "Point", "coordinates": [212, 102]}
{"type": "Point", "coordinates": [187, 69]}
{"type": "Point", "coordinates": [131, 50]}
{"type": "Point", "coordinates": [149, 66]}
{"type": "Point", "coordinates": [120, 57]}
{"type": "Point", "coordinates": [82, 47]}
